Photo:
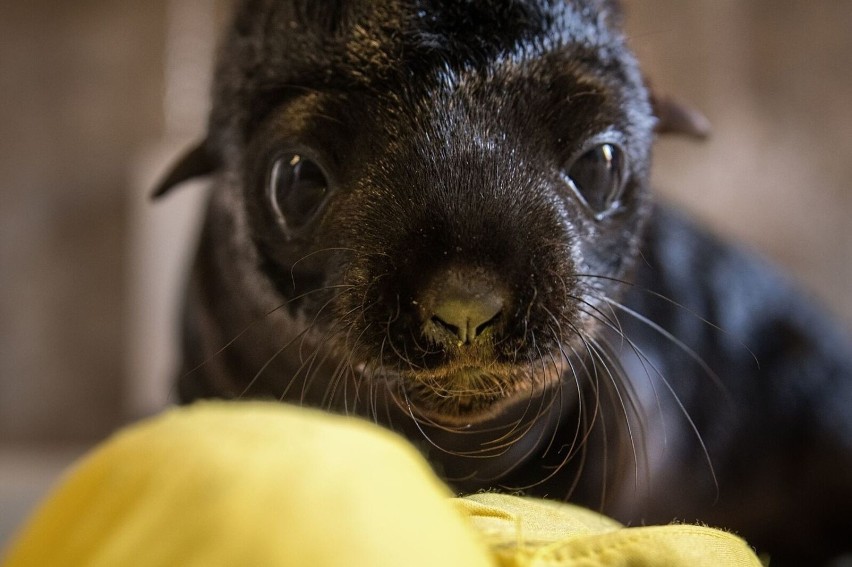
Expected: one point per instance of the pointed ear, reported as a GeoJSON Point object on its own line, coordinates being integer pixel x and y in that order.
{"type": "Point", "coordinates": [676, 117]}
{"type": "Point", "coordinates": [197, 162]}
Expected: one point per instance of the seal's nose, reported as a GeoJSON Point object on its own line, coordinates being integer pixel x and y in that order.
{"type": "Point", "coordinates": [462, 305]}
{"type": "Point", "coordinates": [467, 314]}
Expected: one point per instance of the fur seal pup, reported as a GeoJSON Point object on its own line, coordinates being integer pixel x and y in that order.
{"type": "Point", "coordinates": [436, 214]}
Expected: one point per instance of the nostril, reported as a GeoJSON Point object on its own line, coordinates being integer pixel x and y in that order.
{"type": "Point", "coordinates": [447, 326]}
{"type": "Point", "coordinates": [490, 323]}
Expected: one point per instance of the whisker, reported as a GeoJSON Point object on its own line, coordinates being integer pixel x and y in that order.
{"type": "Point", "coordinates": [681, 407]}
{"type": "Point", "coordinates": [640, 356]}
{"type": "Point", "coordinates": [257, 320]}
{"type": "Point", "coordinates": [270, 360]}
{"type": "Point", "coordinates": [674, 340]}
{"type": "Point", "coordinates": [676, 304]}
{"type": "Point", "coordinates": [607, 361]}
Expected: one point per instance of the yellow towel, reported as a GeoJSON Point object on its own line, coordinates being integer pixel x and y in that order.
{"type": "Point", "coordinates": [263, 484]}
{"type": "Point", "coordinates": [526, 532]}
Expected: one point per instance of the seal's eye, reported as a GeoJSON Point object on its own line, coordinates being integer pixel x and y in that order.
{"type": "Point", "coordinates": [598, 178]}
{"type": "Point", "coordinates": [296, 187]}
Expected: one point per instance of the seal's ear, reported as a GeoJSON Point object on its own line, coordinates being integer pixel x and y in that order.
{"type": "Point", "coordinates": [676, 117]}
{"type": "Point", "coordinates": [197, 162]}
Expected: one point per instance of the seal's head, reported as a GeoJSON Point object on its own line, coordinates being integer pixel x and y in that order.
{"type": "Point", "coordinates": [422, 200]}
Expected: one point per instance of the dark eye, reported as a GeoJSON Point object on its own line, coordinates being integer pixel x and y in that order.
{"type": "Point", "coordinates": [297, 187]}
{"type": "Point", "coordinates": [598, 178]}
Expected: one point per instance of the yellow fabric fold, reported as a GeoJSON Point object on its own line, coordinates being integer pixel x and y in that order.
{"type": "Point", "coordinates": [262, 484]}
{"type": "Point", "coordinates": [526, 532]}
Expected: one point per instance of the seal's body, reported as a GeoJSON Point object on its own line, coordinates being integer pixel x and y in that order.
{"type": "Point", "coordinates": [436, 215]}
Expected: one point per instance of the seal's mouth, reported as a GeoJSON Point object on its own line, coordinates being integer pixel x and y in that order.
{"type": "Point", "coordinates": [469, 394]}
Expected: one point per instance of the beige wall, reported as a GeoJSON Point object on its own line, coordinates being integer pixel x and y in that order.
{"type": "Point", "coordinates": [775, 79]}
{"type": "Point", "coordinates": [81, 100]}
{"type": "Point", "coordinates": [80, 83]}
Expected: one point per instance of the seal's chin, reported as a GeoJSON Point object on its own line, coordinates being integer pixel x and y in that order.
{"type": "Point", "coordinates": [470, 395]}
{"type": "Point", "coordinates": [457, 412]}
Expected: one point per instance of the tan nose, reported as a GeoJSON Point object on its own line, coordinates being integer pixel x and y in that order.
{"type": "Point", "coordinates": [464, 304]}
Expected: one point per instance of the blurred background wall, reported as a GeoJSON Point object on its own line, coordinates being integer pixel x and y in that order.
{"type": "Point", "coordinates": [97, 95]}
